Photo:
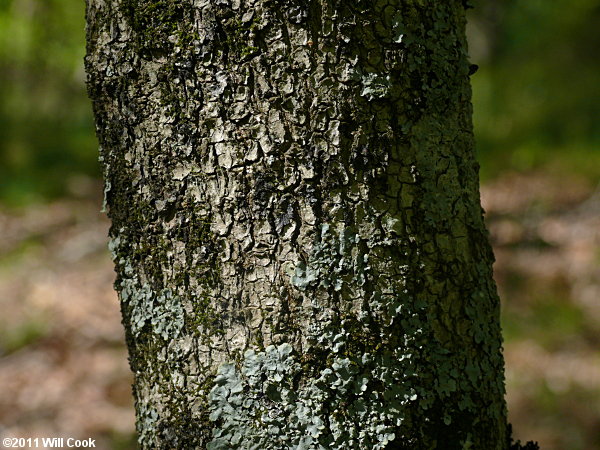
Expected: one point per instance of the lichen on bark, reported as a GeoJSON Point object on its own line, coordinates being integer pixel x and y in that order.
{"type": "Point", "coordinates": [295, 210]}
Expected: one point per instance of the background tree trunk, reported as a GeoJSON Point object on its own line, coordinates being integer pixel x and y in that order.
{"type": "Point", "coordinates": [295, 209]}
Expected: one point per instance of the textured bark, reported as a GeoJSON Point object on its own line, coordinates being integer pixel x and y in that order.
{"type": "Point", "coordinates": [300, 252]}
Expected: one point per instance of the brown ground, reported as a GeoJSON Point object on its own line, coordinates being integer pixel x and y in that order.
{"type": "Point", "coordinates": [63, 365]}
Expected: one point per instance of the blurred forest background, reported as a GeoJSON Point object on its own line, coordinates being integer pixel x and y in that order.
{"type": "Point", "coordinates": [63, 367]}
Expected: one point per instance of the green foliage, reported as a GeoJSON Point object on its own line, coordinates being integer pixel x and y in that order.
{"type": "Point", "coordinates": [536, 97]}
{"type": "Point", "coordinates": [548, 320]}
{"type": "Point", "coordinates": [14, 338]}
{"type": "Point", "coordinates": [46, 131]}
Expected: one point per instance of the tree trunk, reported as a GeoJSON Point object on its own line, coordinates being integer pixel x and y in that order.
{"type": "Point", "coordinates": [300, 252]}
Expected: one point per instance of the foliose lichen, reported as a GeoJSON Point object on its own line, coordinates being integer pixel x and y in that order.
{"type": "Point", "coordinates": [162, 311]}
{"type": "Point", "coordinates": [332, 260]}
{"type": "Point", "coordinates": [262, 406]}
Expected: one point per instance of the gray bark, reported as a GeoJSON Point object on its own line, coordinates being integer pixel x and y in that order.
{"type": "Point", "coordinates": [300, 252]}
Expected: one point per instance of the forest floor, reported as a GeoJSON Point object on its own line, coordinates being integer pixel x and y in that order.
{"type": "Point", "coordinates": [63, 364]}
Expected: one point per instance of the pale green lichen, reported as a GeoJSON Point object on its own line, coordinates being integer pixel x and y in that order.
{"type": "Point", "coordinates": [162, 311]}
{"type": "Point", "coordinates": [332, 259]}
{"type": "Point", "coordinates": [261, 406]}
{"type": "Point", "coordinates": [147, 418]}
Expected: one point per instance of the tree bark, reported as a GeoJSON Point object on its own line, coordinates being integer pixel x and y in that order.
{"type": "Point", "coordinates": [300, 252]}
